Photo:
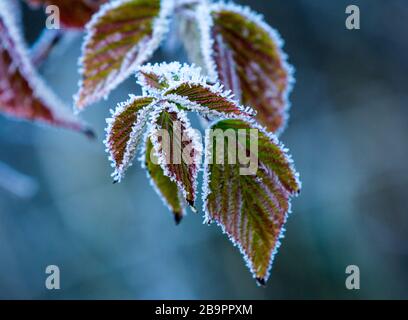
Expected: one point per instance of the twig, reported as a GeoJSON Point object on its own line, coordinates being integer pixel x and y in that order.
{"type": "Point", "coordinates": [48, 39]}
{"type": "Point", "coordinates": [16, 182]}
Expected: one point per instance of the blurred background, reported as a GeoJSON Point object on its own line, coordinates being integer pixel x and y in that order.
{"type": "Point", "coordinates": [348, 136]}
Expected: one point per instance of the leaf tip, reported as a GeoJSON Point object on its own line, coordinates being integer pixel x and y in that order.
{"type": "Point", "coordinates": [79, 102]}
{"type": "Point", "coordinates": [178, 216]}
{"type": "Point", "coordinates": [89, 133]}
{"type": "Point", "coordinates": [191, 204]}
{"type": "Point", "coordinates": [261, 282]}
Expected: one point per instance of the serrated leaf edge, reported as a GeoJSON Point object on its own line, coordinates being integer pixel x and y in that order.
{"type": "Point", "coordinates": [191, 75]}
{"type": "Point", "coordinates": [205, 23]}
{"type": "Point", "coordinates": [142, 159]}
{"type": "Point", "coordinates": [40, 90]}
{"type": "Point", "coordinates": [160, 28]}
{"type": "Point", "coordinates": [138, 129]}
{"type": "Point", "coordinates": [206, 191]}
{"type": "Point", "coordinates": [153, 134]}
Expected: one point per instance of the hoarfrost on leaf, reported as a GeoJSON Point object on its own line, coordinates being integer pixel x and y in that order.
{"type": "Point", "coordinates": [251, 209]}
{"type": "Point", "coordinates": [120, 37]}
{"type": "Point", "coordinates": [178, 148]}
{"type": "Point", "coordinates": [186, 86]}
{"type": "Point", "coordinates": [241, 82]}
{"type": "Point", "coordinates": [164, 186]}
{"type": "Point", "coordinates": [125, 131]}
{"type": "Point", "coordinates": [245, 54]}
{"type": "Point", "coordinates": [23, 94]}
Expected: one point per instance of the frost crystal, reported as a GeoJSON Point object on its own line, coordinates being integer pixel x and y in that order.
{"type": "Point", "coordinates": [117, 125]}
{"type": "Point", "coordinates": [265, 196]}
{"type": "Point", "coordinates": [39, 92]}
{"type": "Point", "coordinates": [94, 86]}
{"type": "Point", "coordinates": [206, 98]}
{"type": "Point", "coordinates": [205, 24]}
{"type": "Point", "coordinates": [231, 200]}
{"type": "Point", "coordinates": [187, 181]}
{"type": "Point", "coordinates": [249, 75]}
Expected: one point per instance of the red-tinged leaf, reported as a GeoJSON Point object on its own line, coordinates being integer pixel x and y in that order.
{"type": "Point", "coordinates": [152, 81]}
{"type": "Point", "coordinates": [205, 97]}
{"type": "Point", "coordinates": [178, 149]}
{"type": "Point", "coordinates": [73, 14]}
{"type": "Point", "coordinates": [250, 207]}
{"type": "Point", "coordinates": [244, 53]}
{"type": "Point", "coordinates": [166, 188]}
{"type": "Point", "coordinates": [120, 37]}
{"type": "Point", "coordinates": [125, 131]}
{"type": "Point", "coordinates": [23, 94]}
{"type": "Point", "coordinates": [158, 77]}
{"type": "Point", "coordinates": [184, 85]}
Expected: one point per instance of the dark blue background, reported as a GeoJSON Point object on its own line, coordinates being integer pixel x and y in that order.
{"type": "Point", "coordinates": [348, 136]}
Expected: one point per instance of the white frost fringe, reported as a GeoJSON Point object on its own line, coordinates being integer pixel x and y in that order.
{"type": "Point", "coordinates": [40, 90]}
{"type": "Point", "coordinates": [142, 159]}
{"type": "Point", "coordinates": [206, 191]}
{"type": "Point", "coordinates": [154, 133]}
{"type": "Point", "coordinates": [130, 64]}
{"type": "Point", "coordinates": [136, 135]}
{"type": "Point", "coordinates": [175, 74]}
{"type": "Point", "coordinates": [205, 22]}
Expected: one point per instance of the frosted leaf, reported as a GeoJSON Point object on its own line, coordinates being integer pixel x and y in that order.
{"type": "Point", "coordinates": [169, 89]}
{"type": "Point", "coordinates": [120, 37]}
{"type": "Point", "coordinates": [72, 15]}
{"type": "Point", "coordinates": [165, 188]}
{"type": "Point", "coordinates": [251, 209]}
{"type": "Point", "coordinates": [23, 94]}
{"type": "Point", "coordinates": [190, 25]}
{"type": "Point", "coordinates": [151, 82]}
{"type": "Point", "coordinates": [178, 148]}
{"type": "Point", "coordinates": [245, 55]}
{"type": "Point", "coordinates": [125, 131]}
{"type": "Point", "coordinates": [206, 99]}
{"type": "Point", "coordinates": [186, 86]}
{"type": "Point", "coordinates": [168, 75]}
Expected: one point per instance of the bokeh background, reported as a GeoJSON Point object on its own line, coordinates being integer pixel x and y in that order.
{"type": "Point", "coordinates": [348, 135]}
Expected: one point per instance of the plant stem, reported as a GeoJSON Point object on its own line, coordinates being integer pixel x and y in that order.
{"type": "Point", "coordinates": [16, 182]}
{"type": "Point", "coordinates": [44, 45]}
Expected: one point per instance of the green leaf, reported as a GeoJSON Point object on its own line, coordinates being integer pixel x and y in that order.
{"type": "Point", "coordinates": [251, 208]}
{"type": "Point", "coordinates": [166, 188]}
{"type": "Point", "coordinates": [23, 94]}
{"type": "Point", "coordinates": [244, 53]}
{"type": "Point", "coordinates": [120, 37]}
{"type": "Point", "coordinates": [72, 15]}
{"type": "Point", "coordinates": [177, 148]}
{"type": "Point", "coordinates": [125, 131]}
